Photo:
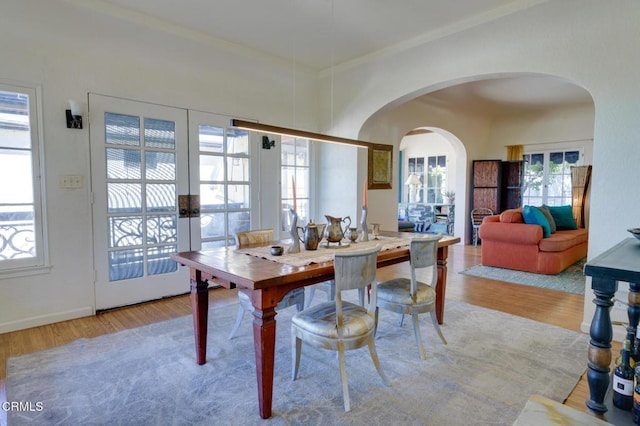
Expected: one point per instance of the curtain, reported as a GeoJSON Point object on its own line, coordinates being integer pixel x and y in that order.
{"type": "Point", "coordinates": [580, 176]}
{"type": "Point", "coordinates": [515, 152]}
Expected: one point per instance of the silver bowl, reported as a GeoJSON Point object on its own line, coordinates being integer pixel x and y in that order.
{"type": "Point", "coordinates": [277, 250]}
{"type": "Point", "coordinates": [635, 232]}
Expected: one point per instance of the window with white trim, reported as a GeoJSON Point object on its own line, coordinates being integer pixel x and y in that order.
{"type": "Point", "coordinates": [547, 176]}
{"type": "Point", "coordinates": [21, 220]}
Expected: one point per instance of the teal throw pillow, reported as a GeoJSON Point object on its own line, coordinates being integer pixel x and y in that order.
{"type": "Point", "coordinates": [546, 213]}
{"type": "Point", "coordinates": [532, 215]}
{"type": "Point", "coordinates": [563, 216]}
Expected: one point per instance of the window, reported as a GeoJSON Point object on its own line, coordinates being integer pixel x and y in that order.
{"type": "Point", "coordinates": [547, 177]}
{"type": "Point", "coordinates": [21, 224]}
{"type": "Point", "coordinates": [294, 165]}
{"type": "Point", "coordinates": [225, 191]}
{"type": "Point", "coordinates": [435, 180]}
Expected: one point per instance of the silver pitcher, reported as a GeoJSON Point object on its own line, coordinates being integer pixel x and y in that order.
{"type": "Point", "coordinates": [334, 232]}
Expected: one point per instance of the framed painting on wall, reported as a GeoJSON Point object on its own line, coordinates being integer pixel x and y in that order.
{"type": "Point", "coordinates": [380, 166]}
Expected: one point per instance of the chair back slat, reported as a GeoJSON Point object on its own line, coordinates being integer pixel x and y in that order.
{"type": "Point", "coordinates": [478, 215]}
{"type": "Point", "coordinates": [258, 236]}
{"type": "Point", "coordinates": [423, 254]}
{"type": "Point", "coordinates": [423, 251]}
{"type": "Point", "coordinates": [355, 268]}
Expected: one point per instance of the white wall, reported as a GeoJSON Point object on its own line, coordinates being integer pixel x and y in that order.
{"type": "Point", "coordinates": [69, 51]}
{"type": "Point", "coordinates": [590, 42]}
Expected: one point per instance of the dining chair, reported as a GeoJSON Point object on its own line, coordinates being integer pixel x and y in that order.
{"type": "Point", "coordinates": [328, 287]}
{"type": "Point", "coordinates": [477, 216]}
{"type": "Point", "coordinates": [294, 297]}
{"type": "Point", "coordinates": [410, 296]}
{"type": "Point", "coordinates": [340, 325]}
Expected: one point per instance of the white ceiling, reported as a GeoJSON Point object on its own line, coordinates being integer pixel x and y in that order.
{"type": "Point", "coordinates": [321, 34]}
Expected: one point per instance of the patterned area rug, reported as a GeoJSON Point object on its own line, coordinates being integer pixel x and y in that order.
{"type": "Point", "coordinates": [571, 280]}
{"type": "Point", "coordinates": [493, 363]}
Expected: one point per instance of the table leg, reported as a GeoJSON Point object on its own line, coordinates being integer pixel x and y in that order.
{"type": "Point", "coordinates": [264, 340]}
{"type": "Point", "coordinates": [441, 288]}
{"type": "Point", "coordinates": [601, 332]}
{"type": "Point", "coordinates": [200, 310]}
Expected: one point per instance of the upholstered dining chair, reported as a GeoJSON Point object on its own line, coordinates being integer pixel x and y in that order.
{"type": "Point", "coordinates": [328, 287]}
{"type": "Point", "coordinates": [410, 296]}
{"type": "Point", "coordinates": [294, 297]}
{"type": "Point", "coordinates": [477, 216]}
{"type": "Point", "coordinates": [340, 325]}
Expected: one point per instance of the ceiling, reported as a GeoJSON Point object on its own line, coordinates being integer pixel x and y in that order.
{"type": "Point", "coordinates": [322, 34]}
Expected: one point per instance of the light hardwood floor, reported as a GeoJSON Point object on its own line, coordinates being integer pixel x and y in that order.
{"type": "Point", "coordinates": [547, 306]}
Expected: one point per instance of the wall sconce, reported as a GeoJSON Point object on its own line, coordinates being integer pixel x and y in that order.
{"type": "Point", "coordinates": [74, 115]}
{"type": "Point", "coordinates": [267, 144]}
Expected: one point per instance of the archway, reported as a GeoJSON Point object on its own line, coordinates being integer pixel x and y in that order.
{"type": "Point", "coordinates": [484, 114]}
{"type": "Point", "coordinates": [425, 141]}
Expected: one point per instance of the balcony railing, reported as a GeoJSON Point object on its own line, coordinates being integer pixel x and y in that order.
{"type": "Point", "coordinates": [17, 239]}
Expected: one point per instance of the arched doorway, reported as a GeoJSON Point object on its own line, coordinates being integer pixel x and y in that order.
{"type": "Point", "coordinates": [436, 146]}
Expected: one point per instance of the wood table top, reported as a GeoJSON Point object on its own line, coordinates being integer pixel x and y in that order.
{"type": "Point", "coordinates": [230, 268]}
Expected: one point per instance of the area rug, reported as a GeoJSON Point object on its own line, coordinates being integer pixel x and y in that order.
{"type": "Point", "coordinates": [491, 366]}
{"type": "Point", "coordinates": [571, 280]}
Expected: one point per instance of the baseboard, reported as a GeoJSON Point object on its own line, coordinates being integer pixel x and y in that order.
{"type": "Point", "coordinates": [36, 321]}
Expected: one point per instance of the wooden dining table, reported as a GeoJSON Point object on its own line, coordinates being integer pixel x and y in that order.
{"type": "Point", "coordinates": [267, 282]}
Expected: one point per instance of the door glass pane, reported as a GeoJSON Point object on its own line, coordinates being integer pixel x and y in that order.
{"type": "Point", "coordinates": [159, 133]}
{"type": "Point", "coordinates": [211, 197]}
{"type": "Point", "coordinates": [124, 198]}
{"type": "Point", "coordinates": [237, 169]}
{"type": "Point", "coordinates": [212, 225]}
{"type": "Point", "coordinates": [286, 184]}
{"type": "Point", "coordinates": [161, 197]}
{"type": "Point", "coordinates": [123, 164]}
{"type": "Point", "coordinates": [211, 139]}
{"type": "Point", "coordinates": [158, 260]}
{"type": "Point", "coordinates": [160, 165]}
{"type": "Point", "coordinates": [211, 168]}
{"type": "Point", "coordinates": [122, 129]}
{"type": "Point", "coordinates": [239, 222]}
{"type": "Point", "coordinates": [162, 229]}
{"type": "Point", "coordinates": [126, 264]}
{"type": "Point", "coordinates": [294, 164]}
{"type": "Point", "coordinates": [302, 152]}
{"type": "Point", "coordinates": [238, 196]}
{"type": "Point", "coordinates": [237, 141]}
{"type": "Point", "coordinates": [125, 231]}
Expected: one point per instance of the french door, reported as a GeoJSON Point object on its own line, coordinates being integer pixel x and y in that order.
{"type": "Point", "coordinates": [139, 161]}
{"type": "Point", "coordinates": [163, 180]}
{"type": "Point", "coordinates": [547, 176]}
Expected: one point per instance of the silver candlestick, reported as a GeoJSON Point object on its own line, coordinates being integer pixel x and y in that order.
{"type": "Point", "coordinates": [293, 231]}
{"type": "Point", "coordinates": [364, 231]}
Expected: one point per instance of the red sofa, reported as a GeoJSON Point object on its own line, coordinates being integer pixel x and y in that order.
{"type": "Point", "coordinates": [508, 242]}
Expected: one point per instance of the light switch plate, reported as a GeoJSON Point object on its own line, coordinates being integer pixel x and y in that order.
{"type": "Point", "coordinates": [71, 181]}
